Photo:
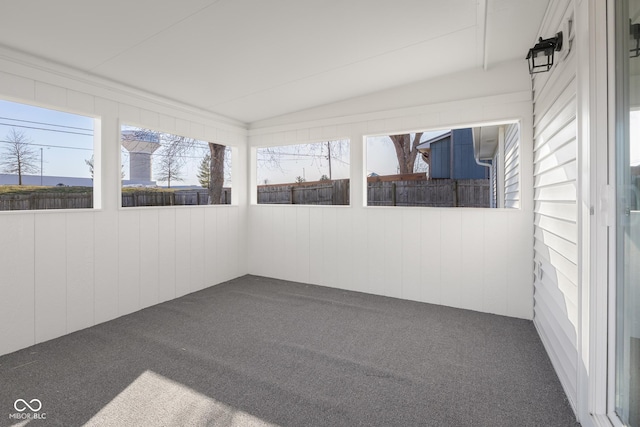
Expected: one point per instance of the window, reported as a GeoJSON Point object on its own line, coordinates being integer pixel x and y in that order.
{"type": "Point", "coordinates": [163, 169]}
{"type": "Point", "coordinates": [304, 174]}
{"type": "Point", "coordinates": [467, 167]}
{"type": "Point", "coordinates": [46, 158]}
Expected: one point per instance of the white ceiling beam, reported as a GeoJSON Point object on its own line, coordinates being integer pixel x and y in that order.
{"type": "Point", "coordinates": [481, 33]}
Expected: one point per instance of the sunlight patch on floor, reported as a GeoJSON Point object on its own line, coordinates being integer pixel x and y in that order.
{"type": "Point", "coordinates": [155, 400]}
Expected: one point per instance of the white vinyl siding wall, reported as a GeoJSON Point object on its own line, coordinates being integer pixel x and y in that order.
{"type": "Point", "coordinates": [493, 203]}
{"type": "Point", "coordinates": [555, 207]}
{"type": "Point", "coordinates": [512, 166]}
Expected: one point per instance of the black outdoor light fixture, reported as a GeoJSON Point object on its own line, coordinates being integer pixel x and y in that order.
{"type": "Point", "coordinates": [540, 56]}
{"type": "Point", "coordinates": [635, 37]}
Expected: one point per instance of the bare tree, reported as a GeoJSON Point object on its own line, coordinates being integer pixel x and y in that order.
{"type": "Point", "coordinates": [406, 150]}
{"type": "Point", "coordinates": [19, 157]}
{"type": "Point", "coordinates": [169, 167]}
{"type": "Point", "coordinates": [317, 153]}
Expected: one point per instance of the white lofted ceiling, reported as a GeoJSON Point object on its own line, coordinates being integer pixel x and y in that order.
{"type": "Point", "coordinates": [255, 59]}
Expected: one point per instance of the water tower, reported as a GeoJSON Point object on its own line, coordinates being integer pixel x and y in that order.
{"type": "Point", "coordinates": [141, 145]}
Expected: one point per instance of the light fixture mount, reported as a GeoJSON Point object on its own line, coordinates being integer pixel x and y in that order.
{"type": "Point", "coordinates": [540, 56]}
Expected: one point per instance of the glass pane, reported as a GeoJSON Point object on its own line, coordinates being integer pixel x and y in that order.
{"type": "Point", "coordinates": [314, 173]}
{"type": "Point", "coordinates": [475, 167]}
{"type": "Point", "coordinates": [46, 158]}
{"type": "Point", "coordinates": [627, 399]}
{"type": "Point", "coordinates": [163, 169]}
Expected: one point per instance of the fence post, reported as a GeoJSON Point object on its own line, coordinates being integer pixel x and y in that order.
{"type": "Point", "coordinates": [393, 194]}
{"type": "Point", "coordinates": [455, 193]}
{"type": "Point", "coordinates": [292, 195]}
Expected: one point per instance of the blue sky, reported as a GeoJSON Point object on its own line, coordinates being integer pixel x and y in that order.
{"type": "Point", "coordinates": [66, 139]}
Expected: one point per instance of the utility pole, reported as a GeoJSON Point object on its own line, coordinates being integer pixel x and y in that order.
{"type": "Point", "coordinates": [329, 157]}
{"type": "Point", "coordinates": [40, 166]}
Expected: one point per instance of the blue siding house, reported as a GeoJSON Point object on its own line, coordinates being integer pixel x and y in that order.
{"type": "Point", "coordinates": [452, 156]}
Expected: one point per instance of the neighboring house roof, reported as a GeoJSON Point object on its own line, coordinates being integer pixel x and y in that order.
{"type": "Point", "coordinates": [423, 146]}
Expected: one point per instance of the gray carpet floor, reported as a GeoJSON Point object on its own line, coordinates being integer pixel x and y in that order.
{"type": "Point", "coordinates": [258, 351]}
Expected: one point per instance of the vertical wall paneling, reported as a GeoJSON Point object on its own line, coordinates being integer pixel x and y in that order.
{"type": "Point", "coordinates": [376, 253]}
{"type": "Point", "coordinates": [63, 271]}
{"type": "Point", "coordinates": [80, 270]}
{"type": "Point", "coordinates": [555, 195]}
{"type": "Point", "coordinates": [211, 268]}
{"type": "Point", "coordinates": [235, 242]}
{"type": "Point", "coordinates": [472, 255]}
{"type": "Point", "coordinates": [473, 258]}
{"type": "Point", "coordinates": [129, 261]}
{"type": "Point", "coordinates": [431, 256]}
{"type": "Point", "coordinates": [343, 249]}
{"type": "Point", "coordinates": [197, 259]}
{"type": "Point", "coordinates": [106, 266]}
{"type": "Point", "coordinates": [277, 242]}
{"type": "Point", "coordinates": [50, 276]}
{"type": "Point", "coordinates": [222, 241]}
{"type": "Point", "coordinates": [330, 261]}
{"type": "Point", "coordinates": [393, 274]}
{"type": "Point", "coordinates": [149, 257]}
{"type": "Point", "coordinates": [166, 254]}
{"type": "Point", "coordinates": [494, 292]}
{"type": "Point", "coordinates": [290, 247]}
{"type": "Point", "coordinates": [411, 263]}
{"type": "Point", "coordinates": [183, 254]}
{"type": "Point", "coordinates": [303, 244]}
{"type": "Point", "coordinates": [17, 282]}
{"type": "Point", "coordinates": [451, 261]}
{"type": "Point", "coordinates": [316, 248]}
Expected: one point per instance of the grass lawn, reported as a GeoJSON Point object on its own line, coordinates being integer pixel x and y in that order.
{"type": "Point", "coordinates": [31, 189]}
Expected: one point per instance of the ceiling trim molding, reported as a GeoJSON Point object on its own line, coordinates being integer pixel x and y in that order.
{"type": "Point", "coordinates": [100, 86]}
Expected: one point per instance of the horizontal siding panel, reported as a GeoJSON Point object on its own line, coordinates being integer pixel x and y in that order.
{"type": "Point", "coordinates": [512, 132]}
{"type": "Point", "coordinates": [511, 180]}
{"type": "Point", "coordinates": [564, 348]}
{"type": "Point", "coordinates": [555, 262]}
{"type": "Point", "coordinates": [511, 162]}
{"type": "Point", "coordinates": [548, 125]}
{"type": "Point", "coordinates": [557, 280]}
{"type": "Point", "coordinates": [560, 210]}
{"type": "Point", "coordinates": [548, 100]}
{"type": "Point", "coordinates": [564, 192]}
{"type": "Point", "coordinates": [565, 229]}
{"type": "Point", "coordinates": [568, 172]}
{"type": "Point", "coordinates": [562, 294]}
{"type": "Point", "coordinates": [562, 155]}
{"type": "Point", "coordinates": [556, 140]}
{"type": "Point", "coordinates": [564, 247]}
{"type": "Point", "coordinates": [561, 361]}
{"type": "Point", "coordinates": [557, 308]}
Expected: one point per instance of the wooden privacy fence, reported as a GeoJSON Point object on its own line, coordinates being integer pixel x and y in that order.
{"type": "Point", "coordinates": [334, 192]}
{"type": "Point", "coordinates": [383, 191]}
{"type": "Point", "coordinates": [470, 193]}
{"type": "Point", "coordinates": [172, 198]}
{"type": "Point", "coordinates": [84, 200]}
{"type": "Point", "coordinates": [33, 201]}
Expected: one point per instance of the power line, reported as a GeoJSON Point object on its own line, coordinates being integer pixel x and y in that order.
{"type": "Point", "coordinates": [48, 130]}
{"type": "Point", "coordinates": [46, 124]}
{"type": "Point", "coordinates": [50, 146]}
